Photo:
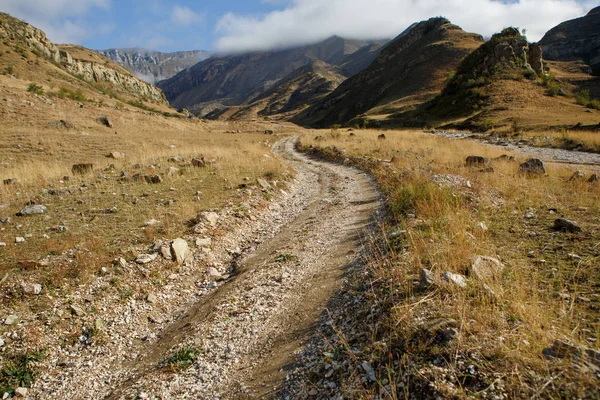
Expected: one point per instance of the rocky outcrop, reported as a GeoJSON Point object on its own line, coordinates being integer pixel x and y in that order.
{"type": "Point", "coordinates": [413, 64]}
{"type": "Point", "coordinates": [90, 70]}
{"type": "Point", "coordinates": [154, 66]}
{"type": "Point", "coordinates": [577, 39]}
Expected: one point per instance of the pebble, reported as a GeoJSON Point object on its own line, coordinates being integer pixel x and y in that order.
{"type": "Point", "coordinates": [20, 239]}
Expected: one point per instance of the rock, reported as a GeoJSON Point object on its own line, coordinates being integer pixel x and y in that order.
{"type": "Point", "coordinates": [5, 220]}
{"type": "Point", "coordinates": [580, 356]}
{"type": "Point", "coordinates": [487, 268]}
{"type": "Point", "coordinates": [593, 178]}
{"type": "Point", "coordinates": [476, 161]}
{"type": "Point", "coordinates": [529, 215]}
{"type": "Point", "coordinates": [533, 167]}
{"type": "Point", "coordinates": [577, 176]}
{"type": "Point", "coordinates": [269, 132]}
{"type": "Point", "coordinates": [146, 258]}
{"type": "Point", "coordinates": [153, 179]}
{"type": "Point", "coordinates": [180, 250]}
{"type": "Point", "coordinates": [31, 288]}
{"type": "Point", "coordinates": [82, 169]}
{"type": "Point", "coordinates": [381, 137]}
{"type": "Point", "coordinates": [198, 162]}
{"type": "Point", "coordinates": [33, 209]}
{"type": "Point", "coordinates": [152, 299]}
{"type": "Point", "coordinates": [505, 157]}
{"type": "Point", "coordinates": [212, 273]}
{"type": "Point", "coordinates": [76, 310]}
{"type": "Point", "coordinates": [104, 121]}
{"type": "Point", "coordinates": [173, 171]}
{"type": "Point", "coordinates": [481, 226]}
{"type": "Point", "coordinates": [155, 318]}
{"type": "Point", "coordinates": [11, 181]}
{"type": "Point", "coordinates": [369, 370]}
{"type": "Point", "coordinates": [165, 252]}
{"type": "Point", "coordinates": [21, 392]}
{"type": "Point", "coordinates": [263, 184]}
{"type": "Point", "coordinates": [448, 180]}
{"type": "Point", "coordinates": [397, 234]}
{"type": "Point", "coordinates": [19, 239]}
{"type": "Point", "coordinates": [2, 244]}
{"type": "Point", "coordinates": [211, 217]}
{"type": "Point", "coordinates": [1, 342]}
{"type": "Point", "coordinates": [176, 159]}
{"type": "Point", "coordinates": [427, 278]}
{"type": "Point", "coordinates": [11, 320]}
{"type": "Point", "coordinates": [204, 242]}
{"type": "Point", "coordinates": [116, 155]}
{"type": "Point", "coordinates": [151, 222]}
{"type": "Point", "coordinates": [562, 224]}
{"type": "Point", "coordinates": [455, 279]}
{"type": "Point", "coordinates": [534, 58]}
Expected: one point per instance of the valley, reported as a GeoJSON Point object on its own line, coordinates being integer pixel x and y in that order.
{"type": "Point", "coordinates": [411, 218]}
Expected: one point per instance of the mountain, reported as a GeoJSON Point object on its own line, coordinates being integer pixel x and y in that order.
{"type": "Point", "coordinates": [235, 80]}
{"type": "Point", "coordinates": [409, 70]}
{"type": "Point", "coordinates": [577, 39]}
{"type": "Point", "coordinates": [153, 66]}
{"type": "Point", "coordinates": [27, 54]}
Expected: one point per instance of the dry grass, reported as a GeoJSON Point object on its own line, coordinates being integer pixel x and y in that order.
{"type": "Point", "coordinates": [502, 336]}
{"type": "Point", "coordinates": [583, 140]}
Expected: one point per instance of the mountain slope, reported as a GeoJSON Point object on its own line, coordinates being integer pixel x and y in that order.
{"type": "Point", "coordinates": [411, 68]}
{"type": "Point", "coordinates": [26, 53]}
{"type": "Point", "coordinates": [154, 66]}
{"type": "Point", "coordinates": [235, 80]}
{"type": "Point", "coordinates": [301, 88]}
{"type": "Point", "coordinates": [577, 39]}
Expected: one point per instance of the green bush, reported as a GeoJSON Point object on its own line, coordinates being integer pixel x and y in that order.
{"type": "Point", "coordinates": [182, 358]}
{"type": "Point", "coordinates": [36, 89]}
{"type": "Point", "coordinates": [18, 371]}
{"type": "Point", "coordinates": [67, 93]}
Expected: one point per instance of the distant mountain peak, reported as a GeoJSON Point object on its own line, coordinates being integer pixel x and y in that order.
{"type": "Point", "coordinates": [594, 11]}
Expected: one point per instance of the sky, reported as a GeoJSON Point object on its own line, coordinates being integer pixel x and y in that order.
{"type": "Point", "coordinates": [234, 26]}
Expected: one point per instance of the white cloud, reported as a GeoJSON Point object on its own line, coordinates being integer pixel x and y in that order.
{"type": "Point", "coordinates": [306, 21]}
{"type": "Point", "coordinates": [184, 16]}
{"type": "Point", "coordinates": [60, 19]}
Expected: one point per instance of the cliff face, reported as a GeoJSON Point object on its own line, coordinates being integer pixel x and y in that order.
{"type": "Point", "coordinates": [577, 39]}
{"type": "Point", "coordinates": [413, 64]}
{"type": "Point", "coordinates": [154, 66]}
{"type": "Point", "coordinates": [77, 60]}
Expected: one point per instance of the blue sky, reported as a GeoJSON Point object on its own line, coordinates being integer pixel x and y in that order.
{"type": "Point", "coordinates": [246, 25]}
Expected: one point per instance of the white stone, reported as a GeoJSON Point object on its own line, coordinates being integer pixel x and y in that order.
{"type": "Point", "coordinates": [21, 392]}
{"type": "Point", "coordinates": [180, 250]}
{"type": "Point", "coordinates": [11, 320]}
{"type": "Point", "coordinates": [152, 299]}
{"type": "Point", "coordinates": [203, 242]}
{"type": "Point", "coordinates": [20, 239]}
{"type": "Point", "coordinates": [457, 279]}
{"type": "Point", "coordinates": [211, 217]}
{"type": "Point", "coordinates": [145, 258]}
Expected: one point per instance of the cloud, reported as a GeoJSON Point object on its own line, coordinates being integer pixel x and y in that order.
{"type": "Point", "coordinates": [305, 21]}
{"type": "Point", "coordinates": [184, 16]}
{"type": "Point", "coordinates": [60, 19]}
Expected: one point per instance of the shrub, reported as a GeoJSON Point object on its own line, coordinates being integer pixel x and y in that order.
{"type": "Point", "coordinates": [182, 358]}
{"type": "Point", "coordinates": [36, 89]}
{"type": "Point", "coordinates": [76, 95]}
{"type": "Point", "coordinates": [18, 371]}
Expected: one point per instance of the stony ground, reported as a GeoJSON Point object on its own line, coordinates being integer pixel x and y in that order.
{"type": "Point", "coordinates": [245, 319]}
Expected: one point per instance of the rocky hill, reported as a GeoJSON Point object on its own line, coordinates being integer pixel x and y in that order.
{"type": "Point", "coordinates": [577, 39]}
{"type": "Point", "coordinates": [27, 52]}
{"type": "Point", "coordinates": [154, 66]}
{"type": "Point", "coordinates": [410, 69]}
{"type": "Point", "coordinates": [236, 80]}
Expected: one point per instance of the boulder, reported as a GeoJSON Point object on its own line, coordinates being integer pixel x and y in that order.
{"type": "Point", "coordinates": [32, 210]}
{"type": "Point", "coordinates": [82, 169]}
{"type": "Point", "coordinates": [534, 58]}
{"type": "Point", "coordinates": [104, 121]}
{"type": "Point", "coordinates": [165, 251]}
{"type": "Point", "coordinates": [476, 161]}
{"type": "Point", "coordinates": [565, 225]}
{"type": "Point", "coordinates": [533, 167]}
{"type": "Point", "coordinates": [180, 250]}
{"type": "Point", "coordinates": [487, 268]}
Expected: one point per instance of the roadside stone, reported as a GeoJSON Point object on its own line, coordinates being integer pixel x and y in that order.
{"type": "Point", "coordinates": [562, 224]}
{"type": "Point", "coordinates": [180, 250]}
{"type": "Point", "coordinates": [152, 299]}
{"type": "Point", "coordinates": [145, 258]}
{"type": "Point", "coordinates": [203, 242]}
{"type": "Point", "coordinates": [165, 252]}
{"type": "Point", "coordinates": [11, 320]}
{"type": "Point", "coordinates": [455, 279]}
{"type": "Point", "coordinates": [76, 310]}
{"type": "Point", "coordinates": [211, 217]}
{"type": "Point", "coordinates": [427, 278]}
{"type": "Point", "coordinates": [487, 268]}
{"type": "Point", "coordinates": [533, 167]}
{"type": "Point", "coordinates": [32, 210]}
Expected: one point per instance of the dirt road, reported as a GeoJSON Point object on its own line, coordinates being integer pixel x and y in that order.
{"type": "Point", "coordinates": [250, 329]}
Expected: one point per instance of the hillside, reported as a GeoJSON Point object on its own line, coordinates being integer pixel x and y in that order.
{"type": "Point", "coordinates": [298, 90]}
{"type": "Point", "coordinates": [504, 84]}
{"type": "Point", "coordinates": [409, 70]}
{"type": "Point", "coordinates": [577, 39]}
{"type": "Point", "coordinates": [27, 55]}
{"type": "Point", "coordinates": [235, 80]}
{"type": "Point", "coordinates": [154, 66]}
